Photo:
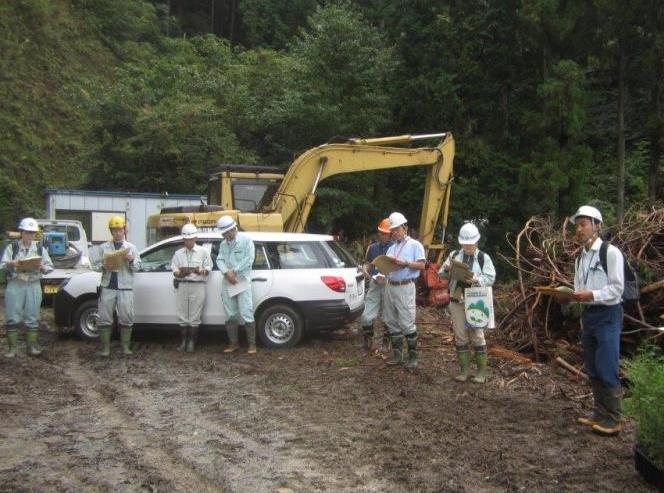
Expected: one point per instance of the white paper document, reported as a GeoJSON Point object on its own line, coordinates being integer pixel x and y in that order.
{"type": "Point", "coordinates": [241, 286]}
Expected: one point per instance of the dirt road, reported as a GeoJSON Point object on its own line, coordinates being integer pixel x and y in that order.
{"type": "Point", "coordinates": [321, 417]}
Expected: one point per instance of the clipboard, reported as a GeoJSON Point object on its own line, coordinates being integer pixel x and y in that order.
{"type": "Point", "coordinates": [385, 264]}
{"type": "Point", "coordinates": [460, 271]}
{"type": "Point", "coordinates": [240, 287]}
{"type": "Point", "coordinates": [29, 264]}
{"type": "Point", "coordinates": [562, 294]}
{"type": "Point", "coordinates": [185, 271]}
{"type": "Point", "coordinates": [114, 261]}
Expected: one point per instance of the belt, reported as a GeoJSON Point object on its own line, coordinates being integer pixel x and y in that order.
{"type": "Point", "coordinates": [401, 283]}
{"type": "Point", "coordinates": [597, 308]}
{"type": "Point", "coordinates": [456, 300]}
{"type": "Point", "coordinates": [193, 282]}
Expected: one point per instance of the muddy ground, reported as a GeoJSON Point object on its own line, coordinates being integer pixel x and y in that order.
{"type": "Point", "coordinates": [322, 417]}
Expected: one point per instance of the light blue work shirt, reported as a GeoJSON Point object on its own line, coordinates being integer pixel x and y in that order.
{"type": "Point", "coordinates": [23, 252]}
{"type": "Point", "coordinates": [408, 250]}
{"type": "Point", "coordinates": [126, 273]}
{"type": "Point", "coordinates": [236, 255]}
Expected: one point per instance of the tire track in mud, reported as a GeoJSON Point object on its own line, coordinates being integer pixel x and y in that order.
{"type": "Point", "coordinates": [135, 442]}
{"type": "Point", "coordinates": [200, 441]}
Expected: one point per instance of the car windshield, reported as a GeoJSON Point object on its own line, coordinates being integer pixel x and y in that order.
{"type": "Point", "coordinates": [339, 255]}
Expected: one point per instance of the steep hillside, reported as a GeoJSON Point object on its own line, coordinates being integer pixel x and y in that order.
{"type": "Point", "coordinates": [51, 60]}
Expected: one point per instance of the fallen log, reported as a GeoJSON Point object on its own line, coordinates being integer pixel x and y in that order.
{"type": "Point", "coordinates": [571, 368]}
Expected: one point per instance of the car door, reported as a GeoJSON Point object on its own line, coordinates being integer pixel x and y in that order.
{"type": "Point", "coordinates": [154, 295]}
{"type": "Point", "coordinates": [261, 285]}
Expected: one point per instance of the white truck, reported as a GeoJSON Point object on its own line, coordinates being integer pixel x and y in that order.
{"type": "Point", "coordinates": [68, 246]}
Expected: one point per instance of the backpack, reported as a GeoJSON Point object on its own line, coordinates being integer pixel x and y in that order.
{"type": "Point", "coordinates": [631, 293]}
{"type": "Point", "coordinates": [15, 248]}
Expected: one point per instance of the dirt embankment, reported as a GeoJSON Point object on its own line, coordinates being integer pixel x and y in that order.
{"type": "Point", "coordinates": [322, 417]}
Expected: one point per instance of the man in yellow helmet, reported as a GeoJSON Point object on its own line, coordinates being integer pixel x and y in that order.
{"type": "Point", "coordinates": [117, 261]}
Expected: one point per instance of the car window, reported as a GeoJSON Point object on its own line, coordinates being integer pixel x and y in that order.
{"type": "Point", "coordinates": [296, 255]}
{"type": "Point", "coordinates": [339, 255]}
{"type": "Point", "coordinates": [260, 260]}
{"type": "Point", "coordinates": [159, 259]}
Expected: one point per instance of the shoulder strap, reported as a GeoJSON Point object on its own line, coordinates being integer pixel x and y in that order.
{"type": "Point", "coordinates": [14, 249]}
{"type": "Point", "coordinates": [602, 256]}
{"type": "Point", "coordinates": [480, 259]}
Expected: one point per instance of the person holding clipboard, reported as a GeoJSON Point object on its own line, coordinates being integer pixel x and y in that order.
{"type": "Point", "coordinates": [235, 259]}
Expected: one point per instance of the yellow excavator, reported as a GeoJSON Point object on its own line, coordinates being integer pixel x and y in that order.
{"type": "Point", "coordinates": [262, 199]}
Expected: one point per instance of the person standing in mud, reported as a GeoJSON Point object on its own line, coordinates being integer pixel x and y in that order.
{"type": "Point", "coordinates": [23, 295]}
{"type": "Point", "coordinates": [235, 259]}
{"type": "Point", "coordinates": [191, 265]}
{"type": "Point", "coordinates": [399, 301]}
{"type": "Point", "coordinates": [599, 285]}
{"type": "Point", "coordinates": [117, 285]}
{"type": "Point", "coordinates": [373, 301]}
{"type": "Point", "coordinates": [482, 273]}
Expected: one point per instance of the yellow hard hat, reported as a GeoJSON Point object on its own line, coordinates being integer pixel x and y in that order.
{"type": "Point", "coordinates": [116, 222]}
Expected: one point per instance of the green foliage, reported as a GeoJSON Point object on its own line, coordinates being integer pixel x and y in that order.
{"type": "Point", "coordinates": [645, 404]}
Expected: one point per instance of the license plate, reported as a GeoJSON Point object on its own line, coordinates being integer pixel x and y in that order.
{"type": "Point", "coordinates": [50, 289]}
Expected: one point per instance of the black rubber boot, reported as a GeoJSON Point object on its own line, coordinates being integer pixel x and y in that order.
{"type": "Point", "coordinates": [184, 331]}
{"type": "Point", "coordinates": [250, 329]}
{"type": "Point", "coordinates": [368, 335]}
{"type": "Point", "coordinates": [397, 351]}
{"type": "Point", "coordinates": [411, 340]}
{"type": "Point", "coordinates": [611, 423]}
{"type": "Point", "coordinates": [231, 329]}
{"type": "Point", "coordinates": [599, 410]}
{"type": "Point", "coordinates": [193, 338]}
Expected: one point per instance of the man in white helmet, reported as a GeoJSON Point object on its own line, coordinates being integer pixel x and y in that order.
{"type": "Point", "coordinates": [23, 295]}
{"type": "Point", "coordinates": [482, 273]}
{"type": "Point", "coordinates": [191, 265]}
{"type": "Point", "coordinates": [600, 291]}
{"type": "Point", "coordinates": [399, 303]}
{"type": "Point", "coordinates": [117, 260]}
{"type": "Point", "coordinates": [235, 259]}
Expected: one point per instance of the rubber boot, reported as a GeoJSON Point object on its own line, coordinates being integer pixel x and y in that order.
{"type": "Point", "coordinates": [482, 361]}
{"type": "Point", "coordinates": [184, 332]}
{"type": "Point", "coordinates": [367, 335]}
{"type": "Point", "coordinates": [251, 337]}
{"type": "Point", "coordinates": [193, 338]}
{"type": "Point", "coordinates": [599, 407]}
{"type": "Point", "coordinates": [385, 344]}
{"type": "Point", "coordinates": [12, 341]}
{"type": "Point", "coordinates": [411, 340]}
{"type": "Point", "coordinates": [397, 351]}
{"type": "Point", "coordinates": [125, 339]}
{"type": "Point", "coordinates": [105, 339]}
{"type": "Point", "coordinates": [611, 423]}
{"type": "Point", "coordinates": [231, 329]}
{"type": "Point", "coordinates": [463, 355]}
{"type": "Point", "coordinates": [31, 339]}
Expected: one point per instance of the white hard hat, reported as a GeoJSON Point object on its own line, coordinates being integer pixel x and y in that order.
{"type": "Point", "coordinates": [469, 234]}
{"type": "Point", "coordinates": [226, 223]}
{"type": "Point", "coordinates": [397, 219]}
{"type": "Point", "coordinates": [587, 211]}
{"type": "Point", "coordinates": [189, 231]}
{"type": "Point", "coordinates": [28, 224]}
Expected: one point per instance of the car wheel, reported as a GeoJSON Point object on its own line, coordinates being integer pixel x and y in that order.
{"type": "Point", "coordinates": [86, 319]}
{"type": "Point", "coordinates": [280, 326]}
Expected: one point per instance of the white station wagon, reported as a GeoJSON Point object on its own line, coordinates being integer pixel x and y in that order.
{"type": "Point", "coordinates": [300, 283]}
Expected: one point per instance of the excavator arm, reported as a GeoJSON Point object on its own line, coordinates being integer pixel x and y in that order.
{"type": "Point", "coordinates": [297, 193]}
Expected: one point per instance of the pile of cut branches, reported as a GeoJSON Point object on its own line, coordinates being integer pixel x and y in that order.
{"type": "Point", "coordinates": [543, 254]}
